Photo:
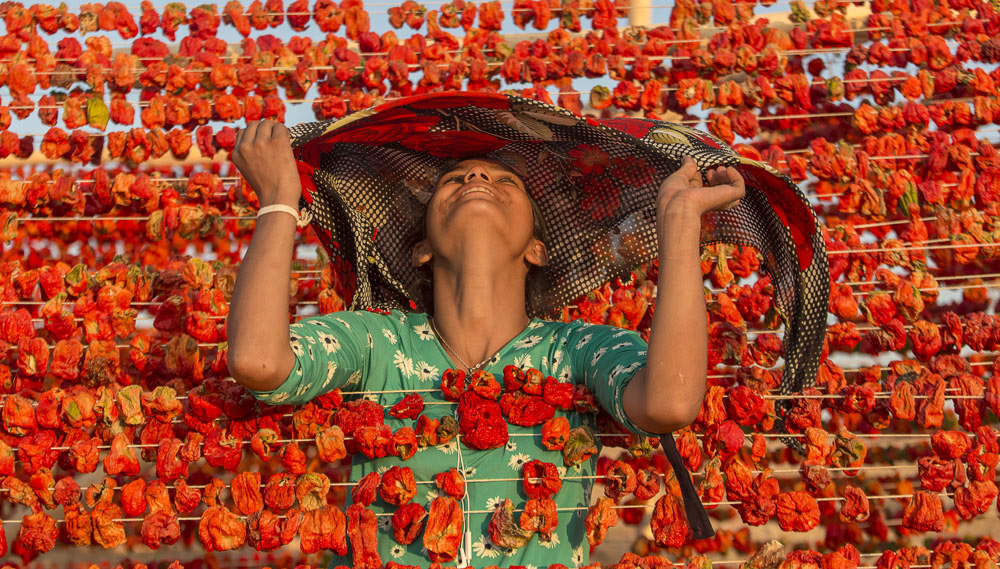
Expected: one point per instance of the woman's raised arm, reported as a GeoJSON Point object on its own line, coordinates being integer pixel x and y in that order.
{"type": "Point", "coordinates": [259, 354]}
{"type": "Point", "coordinates": [667, 394]}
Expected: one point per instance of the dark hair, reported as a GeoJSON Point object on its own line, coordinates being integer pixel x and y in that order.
{"type": "Point", "coordinates": [535, 280]}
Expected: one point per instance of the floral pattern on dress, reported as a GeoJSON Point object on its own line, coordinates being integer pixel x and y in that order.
{"type": "Point", "coordinates": [358, 354]}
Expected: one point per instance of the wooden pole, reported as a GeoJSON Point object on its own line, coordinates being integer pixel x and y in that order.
{"type": "Point", "coordinates": [640, 13]}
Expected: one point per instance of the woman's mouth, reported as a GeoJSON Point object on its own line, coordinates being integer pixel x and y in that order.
{"type": "Point", "coordinates": [476, 189]}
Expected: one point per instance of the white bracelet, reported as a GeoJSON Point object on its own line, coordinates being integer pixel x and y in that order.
{"type": "Point", "coordinates": [300, 221]}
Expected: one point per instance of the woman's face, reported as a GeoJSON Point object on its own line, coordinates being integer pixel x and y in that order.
{"type": "Point", "coordinates": [477, 196]}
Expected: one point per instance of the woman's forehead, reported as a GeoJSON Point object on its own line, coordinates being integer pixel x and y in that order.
{"type": "Point", "coordinates": [470, 162]}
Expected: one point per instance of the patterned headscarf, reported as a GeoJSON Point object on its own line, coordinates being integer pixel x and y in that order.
{"type": "Point", "coordinates": [368, 176]}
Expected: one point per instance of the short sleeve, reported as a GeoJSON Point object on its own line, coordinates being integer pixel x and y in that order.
{"type": "Point", "coordinates": [331, 351]}
{"type": "Point", "coordinates": [606, 358]}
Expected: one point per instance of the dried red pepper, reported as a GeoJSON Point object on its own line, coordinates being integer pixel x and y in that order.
{"type": "Point", "coordinates": [221, 530]}
{"type": "Point", "coordinates": [540, 479]}
{"type": "Point", "coordinates": [924, 512]}
{"type": "Point", "coordinates": [407, 522]}
{"type": "Point", "coordinates": [245, 488]}
{"type": "Point", "coordinates": [504, 531]}
{"type": "Point", "coordinates": [855, 508]}
{"type": "Point", "coordinates": [279, 492]}
{"type": "Point", "coordinates": [408, 407]}
{"type": "Point", "coordinates": [323, 528]}
{"type": "Point", "coordinates": [669, 523]}
{"type": "Point", "coordinates": [362, 529]}
{"type": "Point", "coordinates": [398, 485]}
{"type": "Point", "coordinates": [451, 482]}
{"type": "Point", "coordinates": [580, 446]}
{"type": "Point", "coordinates": [555, 433]}
{"type": "Point", "coordinates": [443, 532]}
{"type": "Point", "coordinates": [600, 516]}
{"type": "Point", "coordinates": [540, 516]}
{"type": "Point", "coordinates": [481, 422]}
{"type": "Point", "coordinates": [797, 511]}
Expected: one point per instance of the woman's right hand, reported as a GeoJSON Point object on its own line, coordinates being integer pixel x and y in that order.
{"type": "Point", "coordinates": [263, 154]}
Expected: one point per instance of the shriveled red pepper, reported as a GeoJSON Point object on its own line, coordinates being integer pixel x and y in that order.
{"type": "Point", "coordinates": [245, 488]}
{"type": "Point", "coordinates": [558, 394]}
{"type": "Point", "coordinates": [975, 499]}
{"type": "Point", "coordinates": [407, 522]}
{"type": "Point", "coordinates": [186, 499]}
{"type": "Point", "coordinates": [924, 512]}
{"type": "Point", "coordinates": [108, 532]}
{"type": "Point", "coordinates": [647, 483]}
{"type": "Point", "coordinates": [950, 444]}
{"type": "Point", "coordinates": [451, 482]}
{"type": "Point", "coordinates": [66, 491]}
{"type": "Point", "coordinates": [38, 533]}
{"type": "Point", "coordinates": [484, 384]}
{"type": "Point", "coordinates": [504, 531]}
{"type": "Point", "coordinates": [292, 457]}
{"type": "Point", "coordinates": [221, 530]}
{"type": "Point", "coordinates": [668, 522]}
{"type": "Point", "coordinates": [453, 384]}
{"type": "Point", "coordinates": [540, 515]}
{"type": "Point", "coordinates": [404, 443]}
{"type": "Point", "coordinates": [600, 516]}
{"type": "Point", "coordinates": [168, 463]}
{"type": "Point", "coordinates": [513, 378]}
{"type": "Point", "coordinates": [797, 511]}
{"type": "Point", "coordinates": [323, 528]}
{"type": "Point", "coordinates": [398, 485]}
{"type": "Point", "coordinates": [263, 531]}
{"type": "Point", "coordinates": [160, 528]}
{"type": "Point", "coordinates": [848, 451]}
{"type": "Point", "coordinates": [223, 450]}
{"type": "Point", "coordinates": [362, 529]}
{"type": "Point", "coordinates": [264, 442]}
{"type": "Point", "coordinates": [121, 459]}
{"type": "Point", "coordinates": [443, 532]}
{"type": "Point", "coordinates": [620, 479]}
{"type": "Point", "coordinates": [42, 483]}
{"type": "Point", "coordinates": [330, 444]}
{"type": "Point", "coordinates": [757, 505]}
{"type": "Point", "coordinates": [134, 498]}
{"type": "Point", "coordinates": [534, 382]}
{"type": "Point", "coordinates": [555, 432]}
{"type": "Point", "coordinates": [426, 431]}
{"type": "Point", "coordinates": [525, 410]}
{"type": "Point", "coordinates": [408, 407]}
{"type": "Point", "coordinates": [311, 489]}
{"type": "Point", "coordinates": [540, 479]}
{"type": "Point", "coordinates": [364, 491]}
{"type": "Point", "coordinates": [481, 422]}
{"type": "Point", "coordinates": [855, 508]}
{"type": "Point", "coordinates": [373, 441]}
{"type": "Point", "coordinates": [580, 446]}
{"type": "Point", "coordinates": [279, 492]}
{"type": "Point", "coordinates": [78, 525]}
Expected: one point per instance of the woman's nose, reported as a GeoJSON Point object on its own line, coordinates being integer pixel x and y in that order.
{"type": "Point", "coordinates": [477, 170]}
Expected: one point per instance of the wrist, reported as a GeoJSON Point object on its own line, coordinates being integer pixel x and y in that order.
{"type": "Point", "coordinates": [677, 220]}
{"type": "Point", "coordinates": [290, 201]}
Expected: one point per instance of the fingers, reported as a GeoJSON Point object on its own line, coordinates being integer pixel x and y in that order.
{"type": "Point", "coordinates": [264, 129]}
{"type": "Point", "coordinates": [279, 132]}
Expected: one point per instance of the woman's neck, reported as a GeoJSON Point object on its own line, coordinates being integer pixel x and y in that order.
{"type": "Point", "coordinates": [479, 304]}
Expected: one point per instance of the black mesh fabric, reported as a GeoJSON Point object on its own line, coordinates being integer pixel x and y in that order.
{"type": "Point", "coordinates": [368, 176]}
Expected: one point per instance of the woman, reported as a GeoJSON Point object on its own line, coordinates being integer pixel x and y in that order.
{"type": "Point", "coordinates": [481, 242]}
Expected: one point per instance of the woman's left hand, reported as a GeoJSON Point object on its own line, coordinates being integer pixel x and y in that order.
{"type": "Point", "coordinates": [684, 191]}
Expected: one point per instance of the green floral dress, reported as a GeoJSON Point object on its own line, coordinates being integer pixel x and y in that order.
{"type": "Point", "coordinates": [398, 353]}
